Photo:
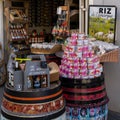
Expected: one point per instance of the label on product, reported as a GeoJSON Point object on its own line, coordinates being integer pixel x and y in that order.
{"type": "Point", "coordinates": [36, 81]}
{"type": "Point", "coordinates": [44, 81]}
{"type": "Point", "coordinates": [59, 10]}
{"type": "Point", "coordinates": [11, 78]}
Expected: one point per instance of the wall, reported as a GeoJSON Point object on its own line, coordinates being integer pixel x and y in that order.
{"type": "Point", "coordinates": [112, 70]}
{"type": "Point", "coordinates": [1, 25]}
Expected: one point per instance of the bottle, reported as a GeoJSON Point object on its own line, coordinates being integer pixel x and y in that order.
{"type": "Point", "coordinates": [44, 81]}
{"type": "Point", "coordinates": [12, 35]}
{"type": "Point", "coordinates": [30, 38]}
{"type": "Point", "coordinates": [29, 84]}
{"type": "Point", "coordinates": [15, 35]}
{"type": "Point", "coordinates": [36, 82]}
{"type": "Point", "coordinates": [41, 37]}
{"type": "Point", "coordinates": [16, 66]}
{"type": "Point", "coordinates": [36, 38]}
{"type": "Point", "coordinates": [24, 31]}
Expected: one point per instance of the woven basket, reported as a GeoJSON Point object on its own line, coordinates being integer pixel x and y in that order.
{"type": "Point", "coordinates": [54, 72]}
{"type": "Point", "coordinates": [55, 49]}
{"type": "Point", "coordinates": [112, 56]}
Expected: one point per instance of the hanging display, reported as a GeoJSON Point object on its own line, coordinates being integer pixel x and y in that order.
{"type": "Point", "coordinates": [102, 22]}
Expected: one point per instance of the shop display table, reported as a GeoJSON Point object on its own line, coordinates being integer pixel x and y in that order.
{"type": "Point", "coordinates": [49, 53]}
{"type": "Point", "coordinates": [85, 99]}
{"type": "Point", "coordinates": [29, 93]}
{"type": "Point", "coordinates": [34, 104]}
{"type": "Point", "coordinates": [82, 78]}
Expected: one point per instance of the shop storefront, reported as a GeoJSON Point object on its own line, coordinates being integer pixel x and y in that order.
{"type": "Point", "coordinates": [57, 61]}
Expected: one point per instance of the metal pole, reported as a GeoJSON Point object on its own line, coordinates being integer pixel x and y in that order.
{"type": "Point", "coordinates": [80, 14]}
{"type": "Point", "coordinates": [83, 16]}
{"type": "Point", "coordinates": [86, 16]}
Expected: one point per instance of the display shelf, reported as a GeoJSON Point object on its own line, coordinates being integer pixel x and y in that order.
{"type": "Point", "coordinates": [112, 56]}
{"type": "Point", "coordinates": [43, 12]}
{"type": "Point", "coordinates": [18, 41]}
{"type": "Point", "coordinates": [16, 24]}
{"type": "Point", "coordinates": [33, 104]}
{"type": "Point", "coordinates": [19, 21]}
{"type": "Point", "coordinates": [55, 49]}
{"type": "Point", "coordinates": [13, 15]}
{"type": "Point", "coordinates": [82, 78]}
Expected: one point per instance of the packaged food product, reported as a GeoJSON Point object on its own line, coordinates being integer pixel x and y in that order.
{"type": "Point", "coordinates": [80, 42]}
{"type": "Point", "coordinates": [74, 36]}
{"type": "Point", "coordinates": [91, 66]}
{"type": "Point", "coordinates": [79, 48]}
{"type": "Point", "coordinates": [72, 48]}
{"type": "Point", "coordinates": [81, 36]}
{"type": "Point", "coordinates": [79, 54]}
{"type": "Point", "coordinates": [85, 48]}
{"type": "Point", "coordinates": [85, 54]}
{"type": "Point", "coordinates": [83, 60]}
{"type": "Point", "coordinates": [86, 42]}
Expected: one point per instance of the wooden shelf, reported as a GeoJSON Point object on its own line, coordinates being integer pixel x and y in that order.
{"type": "Point", "coordinates": [12, 19]}
{"type": "Point", "coordinates": [19, 21]}
{"type": "Point", "coordinates": [13, 10]}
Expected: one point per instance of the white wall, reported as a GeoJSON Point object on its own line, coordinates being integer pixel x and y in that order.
{"type": "Point", "coordinates": [112, 70]}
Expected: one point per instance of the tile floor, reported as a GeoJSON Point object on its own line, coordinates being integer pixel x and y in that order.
{"type": "Point", "coordinates": [111, 115]}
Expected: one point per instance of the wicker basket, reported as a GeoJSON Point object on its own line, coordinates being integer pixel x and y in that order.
{"type": "Point", "coordinates": [54, 72]}
{"type": "Point", "coordinates": [112, 56]}
{"type": "Point", "coordinates": [55, 49]}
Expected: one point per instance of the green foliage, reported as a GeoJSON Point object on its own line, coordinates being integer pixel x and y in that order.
{"type": "Point", "coordinates": [100, 25]}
